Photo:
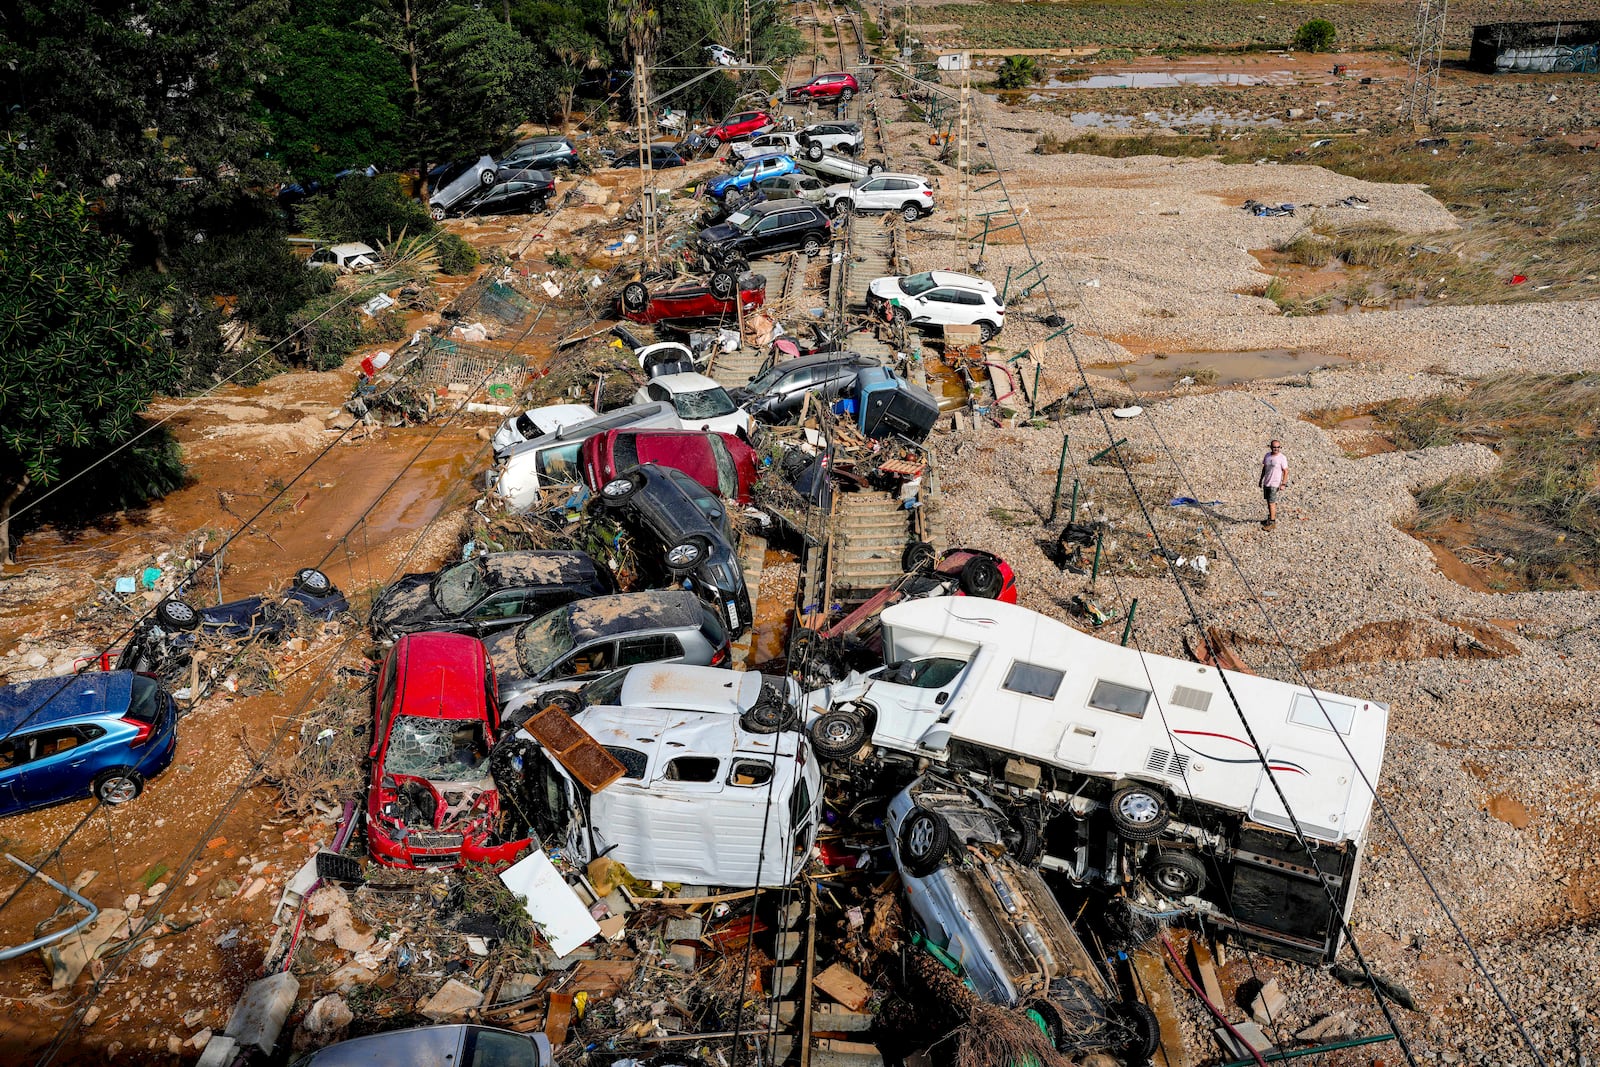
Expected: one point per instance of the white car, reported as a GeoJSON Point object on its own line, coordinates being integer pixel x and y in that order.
{"type": "Point", "coordinates": [941, 298]}
{"type": "Point", "coordinates": [778, 141]}
{"type": "Point", "coordinates": [353, 258]}
{"type": "Point", "coordinates": [700, 402]}
{"type": "Point", "coordinates": [843, 137]}
{"type": "Point", "coordinates": [907, 194]}
{"type": "Point", "coordinates": [723, 57]}
{"type": "Point", "coordinates": [552, 459]}
{"type": "Point", "coordinates": [537, 422]}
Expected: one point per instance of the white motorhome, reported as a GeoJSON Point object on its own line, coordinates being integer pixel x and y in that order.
{"type": "Point", "coordinates": [1138, 764]}
{"type": "Point", "coordinates": [705, 799]}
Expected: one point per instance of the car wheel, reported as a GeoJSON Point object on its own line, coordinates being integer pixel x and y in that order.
{"type": "Point", "coordinates": [843, 207]}
{"type": "Point", "coordinates": [1044, 1015]}
{"type": "Point", "coordinates": [987, 331]}
{"type": "Point", "coordinates": [845, 96]}
{"type": "Point", "coordinates": [686, 555]}
{"type": "Point", "coordinates": [438, 214]}
{"type": "Point", "coordinates": [813, 151]}
{"type": "Point", "coordinates": [911, 212]}
{"type": "Point", "coordinates": [769, 715]}
{"type": "Point", "coordinates": [924, 839]}
{"type": "Point", "coordinates": [635, 297]}
{"type": "Point", "coordinates": [838, 734]}
{"type": "Point", "coordinates": [812, 246]}
{"type": "Point", "coordinates": [616, 492]}
{"type": "Point", "coordinates": [902, 315]}
{"type": "Point", "coordinates": [918, 556]}
{"type": "Point", "coordinates": [723, 284]}
{"type": "Point", "coordinates": [177, 614]}
{"type": "Point", "coordinates": [1027, 844]}
{"type": "Point", "coordinates": [1139, 812]}
{"type": "Point", "coordinates": [118, 785]}
{"type": "Point", "coordinates": [1175, 874]}
{"type": "Point", "coordinates": [487, 178]}
{"type": "Point", "coordinates": [874, 166]}
{"type": "Point", "coordinates": [1141, 1029]}
{"type": "Point", "coordinates": [310, 580]}
{"type": "Point", "coordinates": [981, 577]}
{"type": "Point", "coordinates": [568, 703]}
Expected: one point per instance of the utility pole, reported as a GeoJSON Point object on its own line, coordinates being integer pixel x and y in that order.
{"type": "Point", "coordinates": [749, 50]}
{"type": "Point", "coordinates": [647, 193]}
{"type": "Point", "coordinates": [1420, 98]}
{"type": "Point", "coordinates": [963, 151]}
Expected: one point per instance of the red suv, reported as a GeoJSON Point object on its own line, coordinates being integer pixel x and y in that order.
{"type": "Point", "coordinates": [432, 802]}
{"type": "Point", "coordinates": [742, 124]}
{"type": "Point", "coordinates": [721, 462]}
{"type": "Point", "coordinates": [825, 87]}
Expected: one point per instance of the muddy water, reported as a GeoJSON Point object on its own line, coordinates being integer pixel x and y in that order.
{"type": "Point", "coordinates": [946, 384]}
{"type": "Point", "coordinates": [774, 609]}
{"type": "Point", "coordinates": [1161, 371]}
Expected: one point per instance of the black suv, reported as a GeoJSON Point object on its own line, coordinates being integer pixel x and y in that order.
{"type": "Point", "coordinates": [777, 393]}
{"type": "Point", "coordinates": [676, 542]}
{"type": "Point", "coordinates": [542, 153]}
{"type": "Point", "coordinates": [488, 593]}
{"type": "Point", "coordinates": [760, 229]}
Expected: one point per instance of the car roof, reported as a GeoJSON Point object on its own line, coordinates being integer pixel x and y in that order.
{"type": "Point", "coordinates": [897, 174]}
{"type": "Point", "coordinates": [442, 676]}
{"type": "Point", "coordinates": [686, 382]}
{"type": "Point", "coordinates": [353, 248]}
{"type": "Point", "coordinates": [961, 281]}
{"type": "Point", "coordinates": [44, 701]}
{"type": "Point", "coordinates": [685, 687]}
{"type": "Point", "coordinates": [542, 138]}
{"type": "Point", "coordinates": [629, 613]}
{"type": "Point", "coordinates": [789, 203]}
{"type": "Point", "coordinates": [510, 570]}
{"type": "Point", "coordinates": [763, 157]}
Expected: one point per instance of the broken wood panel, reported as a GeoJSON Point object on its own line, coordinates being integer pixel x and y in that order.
{"type": "Point", "coordinates": [580, 754]}
{"type": "Point", "coordinates": [1155, 989]}
{"type": "Point", "coordinates": [843, 985]}
{"type": "Point", "coordinates": [602, 978]}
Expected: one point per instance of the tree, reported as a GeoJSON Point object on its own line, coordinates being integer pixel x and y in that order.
{"type": "Point", "coordinates": [1017, 72]}
{"type": "Point", "coordinates": [1317, 35]}
{"type": "Point", "coordinates": [636, 25]}
{"type": "Point", "coordinates": [577, 52]}
{"type": "Point", "coordinates": [335, 103]}
{"type": "Point", "coordinates": [80, 353]}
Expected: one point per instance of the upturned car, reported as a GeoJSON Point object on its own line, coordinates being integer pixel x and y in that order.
{"type": "Point", "coordinates": [688, 301]}
{"type": "Point", "coordinates": [488, 593]}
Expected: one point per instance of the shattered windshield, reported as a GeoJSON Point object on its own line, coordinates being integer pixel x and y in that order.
{"type": "Point", "coordinates": [457, 589]}
{"type": "Point", "coordinates": [444, 750]}
{"type": "Point", "coordinates": [706, 404]}
{"type": "Point", "coordinates": [916, 284]}
{"type": "Point", "coordinates": [543, 641]}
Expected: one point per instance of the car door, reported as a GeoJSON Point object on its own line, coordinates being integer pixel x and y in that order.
{"type": "Point", "coordinates": [498, 610]}
{"type": "Point", "coordinates": [768, 168]}
{"type": "Point", "coordinates": [590, 659]}
{"type": "Point", "coordinates": [940, 306]}
{"type": "Point", "coordinates": [791, 389]}
{"type": "Point", "coordinates": [499, 1048]}
{"type": "Point", "coordinates": [910, 697]}
{"type": "Point", "coordinates": [872, 195]}
{"type": "Point", "coordinates": [769, 233]}
{"type": "Point", "coordinates": [58, 764]}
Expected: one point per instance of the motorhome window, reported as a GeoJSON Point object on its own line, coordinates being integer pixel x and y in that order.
{"type": "Point", "coordinates": [559, 464]}
{"type": "Point", "coordinates": [750, 772]}
{"type": "Point", "coordinates": [1033, 680]}
{"type": "Point", "coordinates": [1318, 711]}
{"type": "Point", "coordinates": [1122, 699]}
{"type": "Point", "coordinates": [634, 763]}
{"type": "Point", "coordinates": [692, 769]}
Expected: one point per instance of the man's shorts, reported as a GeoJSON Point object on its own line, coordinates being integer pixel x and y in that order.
{"type": "Point", "coordinates": [1270, 492]}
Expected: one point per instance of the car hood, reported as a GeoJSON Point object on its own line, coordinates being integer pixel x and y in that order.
{"type": "Point", "coordinates": [886, 288]}
{"type": "Point", "coordinates": [405, 606]}
{"type": "Point", "coordinates": [841, 189]}
{"type": "Point", "coordinates": [715, 235]}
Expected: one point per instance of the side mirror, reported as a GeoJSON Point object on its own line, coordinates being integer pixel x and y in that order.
{"type": "Point", "coordinates": [941, 698]}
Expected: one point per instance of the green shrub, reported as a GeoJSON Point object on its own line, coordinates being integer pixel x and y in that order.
{"type": "Point", "coordinates": [330, 331]}
{"type": "Point", "coordinates": [387, 325]}
{"type": "Point", "coordinates": [364, 209]}
{"type": "Point", "coordinates": [455, 255]}
{"type": "Point", "coordinates": [1018, 72]}
{"type": "Point", "coordinates": [1317, 35]}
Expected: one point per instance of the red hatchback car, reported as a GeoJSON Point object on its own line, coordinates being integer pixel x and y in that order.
{"type": "Point", "coordinates": [691, 301]}
{"type": "Point", "coordinates": [825, 87]}
{"type": "Point", "coordinates": [432, 802]}
{"type": "Point", "coordinates": [740, 124]}
{"type": "Point", "coordinates": [723, 463]}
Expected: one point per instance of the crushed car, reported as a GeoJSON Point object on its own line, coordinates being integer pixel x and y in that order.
{"type": "Point", "coordinates": [724, 463]}
{"type": "Point", "coordinates": [718, 299]}
{"type": "Point", "coordinates": [536, 422]}
{"type": "Point", "coordinates": [552, 459]}
{"type": "Point", "coordinates": [487, 593]}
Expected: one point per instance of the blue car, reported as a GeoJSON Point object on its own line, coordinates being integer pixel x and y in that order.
{"type": "Point", "coordinates": [99, 734]}
{"type": "Point", "coordinates": [755, 168]}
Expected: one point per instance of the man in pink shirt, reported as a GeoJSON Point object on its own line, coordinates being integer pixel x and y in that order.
{"type": "Point", "coordinates": [1274, 478]}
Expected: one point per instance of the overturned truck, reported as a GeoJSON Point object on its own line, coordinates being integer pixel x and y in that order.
{"type": "Point", "coordinates": [1134, 770]}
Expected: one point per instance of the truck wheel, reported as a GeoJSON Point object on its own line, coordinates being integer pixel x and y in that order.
{"type": "Point", "coordinates": [924, 840]}
{"type": "Point", "coordinates": [814, 152]}
{"type": "Point", "coordinates": [175, 614]}
{"type": "Point", "coordinates": [981, 577]}
{"type": "Point", "coordinates": [1139, 812]}
{"type": "Point", "coordinates": [1175, 874]}
{"type": "Point", "coordinates": [635, 297]}
{"type": "Point", "coordinates": [838, 734]}
{"type": "Point", "coordinates": [723, 284]}
{"type": "Point", "coordinates": [310, 580]}
{"type": "Point", "coordinates": [918, 556]}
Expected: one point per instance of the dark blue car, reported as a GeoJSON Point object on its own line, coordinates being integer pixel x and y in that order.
{"type": "Point", "coordinates": [100, 734]}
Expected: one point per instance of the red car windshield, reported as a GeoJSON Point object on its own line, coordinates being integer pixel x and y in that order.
{"type": "Point", "coordinates": [444, 750]}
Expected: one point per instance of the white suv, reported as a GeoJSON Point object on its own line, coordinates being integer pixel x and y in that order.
{"type": "Point", "coordinates": [822, 137]}
{"type": "Point", "coordinates": [907, 194]}
{"type": "Point", "coordinates": [941, 298]}
{"type": "Point", "coordinates": [777, 141]}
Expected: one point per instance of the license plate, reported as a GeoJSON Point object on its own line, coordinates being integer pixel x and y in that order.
{"type": "Point", "coordinates": [733, 614]}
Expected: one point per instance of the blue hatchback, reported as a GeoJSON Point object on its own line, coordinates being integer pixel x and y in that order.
{"type": "Point", "coordinates": [99, 734]}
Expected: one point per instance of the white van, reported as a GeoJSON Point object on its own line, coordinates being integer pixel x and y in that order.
{"type": "Point", "coordinates": [1120, 750]}
{"type": "Point", "coordinates": [700, 784]}
{"type": "Point", "coordinates": [552, 459]}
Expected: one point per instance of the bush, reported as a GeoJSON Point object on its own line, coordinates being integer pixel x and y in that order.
{"type": "Point", "coordinates": [1317, 35]}
{"type": "Point", "coordinates": [330, 331]}
{"type": "Point", "coordinates": [1018, 72]}
{"type": "Point", "coordinates": [370, 210]}
{"type": "Point", "coordinates": [455, 255]}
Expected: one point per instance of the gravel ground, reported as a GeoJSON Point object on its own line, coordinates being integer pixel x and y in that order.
{"type": "Point", "coordinates": [1492, 773]}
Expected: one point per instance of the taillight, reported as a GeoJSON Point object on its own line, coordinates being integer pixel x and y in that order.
{"type": "Point", "coordinates": [720, 656]}
{"type": "Point", "coordinates": [142, 732]}
{"type": "Point", "coordinates": [928, 193]}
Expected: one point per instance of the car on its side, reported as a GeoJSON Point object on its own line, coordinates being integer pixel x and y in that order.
{"type": "Point", "coordinates": [907, 194]}
{"type": "Point", "coordinates": [488, 593]}
{"type": "Point", "coordinates": [940, 298]}
{"type": "Point", "coordinates": [590, 638]}
{"type": "Point", "coordinates": [778, 393]}
{"type": "Point", "coordinates": [545, 152]}
{"type": "Point", "coordinates": [700, 402]}
{"type": "Point", "coordinates": [740, 124]}
{"type": "Point", "coordinates": [527, 468]}
{"type": "Point", "coordinates": [761, 229]}
{"type": "Point", "coordinates": [835, 86]}
{"type": "Point", "coordinates": [688, 301]}
{"type": "Point", "coordinates": [781, 142]}
{"type": "Point", "coordinates": [723, 463]}
{"type": "Point", "coordinates": [536, 422]}
{"type": "Point", "coordinates": [99, 734]}
{"type": "Point", "coordinates": [456, 1044]}
{"type": "Point", "coordinates": [768, 703]}
{"type": "Point", "coordinates": [841, 136]}
{"type": "Point", "coordinates": [752, 170]}
{"type": "Point", "coordinates": [452, 183]}
{"type": "Point", "coordinates": [522, 191]}
{"type": "Point", "coordinates": [663, 156]}
{"type": "Point", "coordinates": [431, 802]}
{"type": "Point", "coordinates": [350, 258]}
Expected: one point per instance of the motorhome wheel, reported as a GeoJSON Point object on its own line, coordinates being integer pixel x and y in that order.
{"type": "Point", "coordinates": [838, 734]}
{"type": "Point", "coordinates": [1176, 874]}
{"type": "Point", "coordinates": [1139, 812]}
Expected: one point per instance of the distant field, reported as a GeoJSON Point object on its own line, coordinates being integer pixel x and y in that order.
{"type": "Point", "coordinates": [1201, 24]}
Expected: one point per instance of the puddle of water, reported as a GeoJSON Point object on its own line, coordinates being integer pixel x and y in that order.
{"type": "Point", "coordinates": [946, 384]}
{"type": "Point", "coordinates": [774, 609]}
{"type": "Point", "coordinates": [1101, 120]}
{"type": "Point", "coordinates": [1167, 79]}
{"type": "Point", "coordinates": [1160, 371]}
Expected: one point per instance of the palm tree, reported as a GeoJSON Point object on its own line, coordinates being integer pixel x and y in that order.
{"type": "Point", "coordinates": [637, 23]}
{"type": "Point", "coordinates": [1018, 72]}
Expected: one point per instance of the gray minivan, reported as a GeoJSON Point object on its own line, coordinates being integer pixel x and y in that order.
{"type": "Point", "coordinates": [451, 1044]}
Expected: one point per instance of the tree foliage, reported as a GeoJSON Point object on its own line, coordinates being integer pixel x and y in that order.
{"type": "Point", "coordinates": [335, 103]}
{"type": "Point", "coordinates": [1316, 35]}
{"type": "Point", "coordinates": [1017, 72]}
{"type": "Point", "coordinates": [372, 210]}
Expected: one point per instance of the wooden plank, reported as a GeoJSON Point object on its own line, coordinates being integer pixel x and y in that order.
{"type": "Point", "coordinates": [559, 1018]}
{"type": "Point", "coordinates": [603, 978]}
{"type": "Point", "coordinates": [1155, 989]}
{"type": "Point", "coordinates": [845, 986]}
{"type": "Point", "coordinates": [1206, 968]}
{"type": "Point", "coordinates": [569, 743]}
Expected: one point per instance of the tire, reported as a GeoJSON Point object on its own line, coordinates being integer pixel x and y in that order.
{"type": "Point", "coordinates": [118, 785]}
{"type": "Point", "coordinates": [1139, 812]}
{"type": "Point", "coordinates": [723, 284]}
{"type": "Point", "coordinates": [814, 152]}
{"type": "Point", "coordinates": [987, 331]}
{"type": "Point", "coordinates": [1029, 841]}
{"type": "Point", "coordinates": [874, 166]}
{"type": "Point", "coordinates": [838, 734]}
{"type": "Point", "coordinates": [918, 556]}
{"type": "Point", "coordinates": [686, 555]}
{"type": "Point", "coordinates": [487, 178]}
{"type": "Point", "coordinates": [981, 577]}
{"type": "Point", "coordinates": [812, 245]}
{"type": "Point", "coordinates": [902, 315]}
{"type": "Point", "coordinates": [310, 580]}
{"type": "Point", "coordinates": [768, 715]}
{"type": "Point", "coordinates": [1175, 874]}
{"type": "Point", "coordinates": [844, 97]}
{"type": "Point", "coordinates": [438, 214]}
{"type": "Point", "coordinates": [924, 839]}
{"type": "Point", "coordinates": [175, 614]}
{"type": "Point", "coordinates": [911, 212]}
{"type": "Point", "coordinates": [568, 702]}
{"type": "Point", "coordinates": [1141, 1035]}
{"type": "Point", "coordinates": [1047, 1018]}
{"type": "Point", "coordinates": [843, 207]}
{"type": "Point", "coordinates": [617, 491]}
{"type": "Point", "coordinates": [635, 297]}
